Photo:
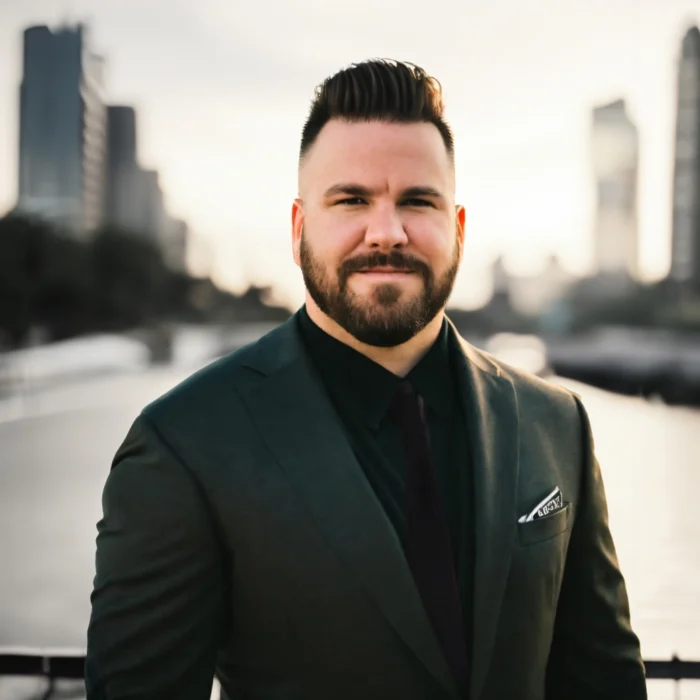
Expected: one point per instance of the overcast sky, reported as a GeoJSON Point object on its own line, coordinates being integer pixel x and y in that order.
{"type": "Point", "coordinates": [222, 90]}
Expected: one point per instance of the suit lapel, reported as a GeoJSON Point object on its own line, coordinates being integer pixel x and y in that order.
{"type": "Point", "coordinates": [301, 429]}
{"type": "Point", "coordinates": [490, 408]}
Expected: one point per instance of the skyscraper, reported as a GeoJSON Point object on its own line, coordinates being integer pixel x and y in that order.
{"type": "Point", "coordinates": [122, 171]}
{"type": "Point", "coordinates": [62, 129]}
{"type": "Point", "coordinates": [685, 245]}
{"type": "Point", "coordinates": [134, 200]}
{"type": "Point", "coordinates": [150, 207]}
{"type": "Point", "coordinates": [175, 244]}
{"type": "Point", "coordinates": [615, 145]}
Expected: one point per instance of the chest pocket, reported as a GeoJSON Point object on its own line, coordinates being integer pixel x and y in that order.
{"type": "Point", "coordinates": [545, 528]}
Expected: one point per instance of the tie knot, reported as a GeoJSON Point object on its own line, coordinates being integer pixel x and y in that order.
{"type": "Point", "coordinates": [404, 389]}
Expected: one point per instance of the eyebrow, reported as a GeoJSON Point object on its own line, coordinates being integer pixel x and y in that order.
{"type": "Point", "coordinates": [353, 190]}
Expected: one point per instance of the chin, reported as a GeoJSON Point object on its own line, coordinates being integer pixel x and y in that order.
{"type": "Point", "coordinates": [373, 292]}
{"type": "Point", "coordinates": [389, 299]}
{"type": "Point", "coordinates": [373, 309]}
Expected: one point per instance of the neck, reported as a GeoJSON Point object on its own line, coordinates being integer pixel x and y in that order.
{"type": "Point", "coordinates": [399, 360]}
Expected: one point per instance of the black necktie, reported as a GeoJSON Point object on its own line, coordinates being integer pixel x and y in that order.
{"type": "Point", "coordinates": [428, 548]}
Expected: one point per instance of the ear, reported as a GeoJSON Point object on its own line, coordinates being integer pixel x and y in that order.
{"type": "Point", "coordinates": [297, 228]}
{"type": "Point", "coordinates": [461, 222]}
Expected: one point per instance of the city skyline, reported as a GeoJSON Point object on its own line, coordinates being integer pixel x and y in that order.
{"type": "Point", "coordinates": [226, 150]}
{"type": "Point", "coordinates": [79, 163]}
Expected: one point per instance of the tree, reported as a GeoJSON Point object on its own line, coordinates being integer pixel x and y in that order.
{"type": "Point", "coordinates": [130, 279]}
{"type": "Point", "coordinates": [23, 264]}
{"type": "Point", "coordinates": [116, 281]}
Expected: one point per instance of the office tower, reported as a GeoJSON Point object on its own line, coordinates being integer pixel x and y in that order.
{"type": "Point", "coordinates": [685, 242]}
{"type": "Point", "coordinates": [62, 129]}
{"type": "Point", "coordinates": [149, 207]}
{"type": "Point", "coordinates": [175, 244]}
{"type": "Point", "coordinates": [615, 151]}
{"type": "Point", "coordinates": [122, 169]}
{"type": "Point", "coordinates": [133, 196]}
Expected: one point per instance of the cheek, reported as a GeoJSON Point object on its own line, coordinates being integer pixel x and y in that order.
{"type": "Point", "coordinates": [335, 240]}
{"type": "Point", "coordinates": [432, 243]}
{"type": "Point", "coordinates": [325, 253]}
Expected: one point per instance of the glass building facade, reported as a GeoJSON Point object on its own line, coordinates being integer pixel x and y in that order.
{"type": "Point", "coordinates": [685, 250]}
{"type": "Point", "coordinates": [62, 129]}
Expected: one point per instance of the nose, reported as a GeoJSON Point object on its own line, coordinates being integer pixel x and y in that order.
{"type": "Point", "coordinates": [385, 229]}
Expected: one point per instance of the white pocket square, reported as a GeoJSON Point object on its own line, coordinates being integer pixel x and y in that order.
{"type": "Point", "coordinates": [547, 506]}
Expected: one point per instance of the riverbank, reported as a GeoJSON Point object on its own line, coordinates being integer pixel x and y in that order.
{"type": "Point", "coordinates": [648, 363]}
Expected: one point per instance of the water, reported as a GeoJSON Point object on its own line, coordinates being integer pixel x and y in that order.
{"type": "Point", "coordinates": [55, 451]}
{"type": "Point", "coordinates": [650, 457]}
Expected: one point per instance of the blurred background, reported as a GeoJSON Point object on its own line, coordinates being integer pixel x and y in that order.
{"type": "Point", "coordinates": [148, 158]}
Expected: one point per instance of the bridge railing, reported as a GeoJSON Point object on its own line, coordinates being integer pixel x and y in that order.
{"type": "Point", "coordinates": [58, 665]}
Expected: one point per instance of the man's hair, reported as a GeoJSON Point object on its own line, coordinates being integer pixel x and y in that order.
{"type": "Point", "coordinates": [377, 90]}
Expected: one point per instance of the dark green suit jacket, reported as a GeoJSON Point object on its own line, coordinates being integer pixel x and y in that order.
{"type": "Point", "coordinates": [240, 538]}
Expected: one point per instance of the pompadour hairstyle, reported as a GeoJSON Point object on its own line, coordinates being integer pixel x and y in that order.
{"type": "Point", "coordinates": [377, 90]}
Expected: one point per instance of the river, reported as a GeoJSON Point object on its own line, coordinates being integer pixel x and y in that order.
{"type": "Point", "coordinates": [55, 449]}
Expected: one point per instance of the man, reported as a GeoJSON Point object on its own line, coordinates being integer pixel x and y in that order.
{"type": "Point", "coordinates": [361, 505]}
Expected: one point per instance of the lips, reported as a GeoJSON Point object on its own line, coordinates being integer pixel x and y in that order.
{"type": "Point", "coordinates": [385, 271]}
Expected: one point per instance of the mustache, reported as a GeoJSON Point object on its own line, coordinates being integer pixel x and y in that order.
{"type": "Point", "coordinates": [394, 259]}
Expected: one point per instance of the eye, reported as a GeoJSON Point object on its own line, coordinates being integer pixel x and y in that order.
{"type": "Point", "coordinates": [351, 201]}
{"type": "Point", "coordinates": [414, 202]}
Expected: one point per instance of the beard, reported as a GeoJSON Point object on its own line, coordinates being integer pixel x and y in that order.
{"type": "Point", "coordinates": [383, 319]}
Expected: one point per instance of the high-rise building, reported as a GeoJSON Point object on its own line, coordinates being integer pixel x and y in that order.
{"type": "Point", "coordinates": [175, 244]}
{"type": "Point", "coordinates": [685, 245]}
{"type": "Point", "coordinates": [62, 129]}
{"type": "Point", "coordinates": [133, 196]}
{"type": "Point", "coordinates": [122, 169]}
{"type": "Point", "coordinates": [615, 150]}
{"type": "Point", "coordinates": [149, 207]}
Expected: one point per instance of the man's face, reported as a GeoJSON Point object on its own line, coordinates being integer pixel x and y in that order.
{"type": "Point", "coordinates": [375, 230]}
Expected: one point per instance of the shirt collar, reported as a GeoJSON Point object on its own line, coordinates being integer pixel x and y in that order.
{"type": "Point", "coordinates": [361, 385]}
{"type": "Point", "coordinates": [432, 376]}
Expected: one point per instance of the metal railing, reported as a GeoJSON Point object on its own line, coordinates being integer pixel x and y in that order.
{"type": "Point", "coordinates": [57, 665]}
{"type": "Point", "coordinates": [674, 670]}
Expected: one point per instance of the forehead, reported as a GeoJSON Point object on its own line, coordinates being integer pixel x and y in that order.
{"type": "Point", "coordinates": [374, 152]}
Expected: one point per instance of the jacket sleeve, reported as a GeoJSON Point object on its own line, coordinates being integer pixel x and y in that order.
{"type": "Point", "coordinates": [157, 600]}
{"type": "Point", "coordinates": [595, 655]}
